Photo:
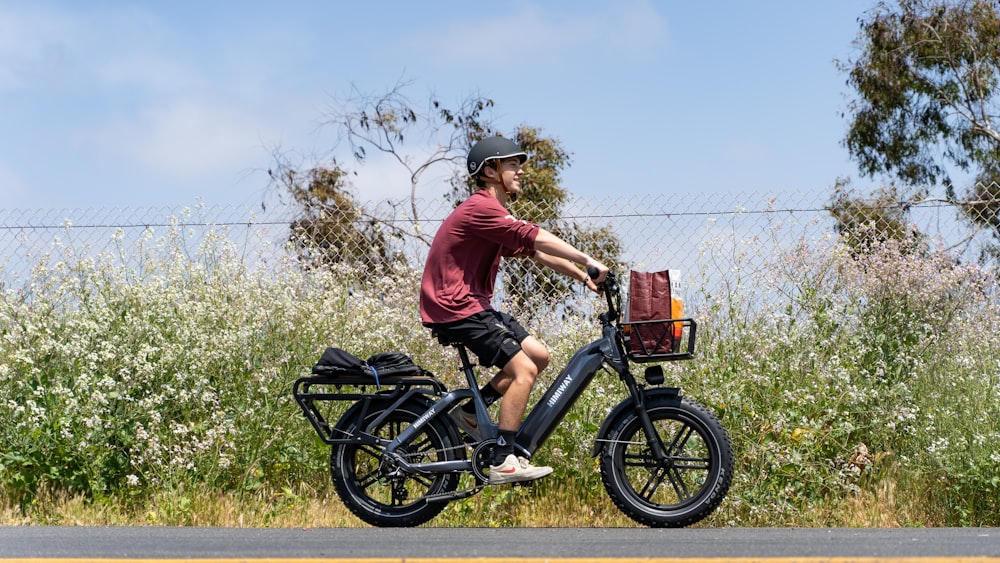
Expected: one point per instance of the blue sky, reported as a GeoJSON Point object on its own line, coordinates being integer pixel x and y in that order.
{"type": "Point", "coordinates": [113, 103]}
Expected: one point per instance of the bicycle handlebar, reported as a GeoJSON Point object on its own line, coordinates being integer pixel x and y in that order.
{"type": "Point", "coordinates": [611, 292]}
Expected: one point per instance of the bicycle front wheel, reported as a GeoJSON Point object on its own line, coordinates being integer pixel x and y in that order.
{"type": "Point", "coordinates": [685, 486]}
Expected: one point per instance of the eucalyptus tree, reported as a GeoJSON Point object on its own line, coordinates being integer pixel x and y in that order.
{"type": "Point", "coordinates": [927, 84]}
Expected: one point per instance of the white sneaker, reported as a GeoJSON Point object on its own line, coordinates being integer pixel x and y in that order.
{"type": "Point", "coordinates": [515, 469]}
{"type": "Point", "coordinates": [467, 422]}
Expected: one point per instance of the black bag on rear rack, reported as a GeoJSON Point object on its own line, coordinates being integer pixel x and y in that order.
{"type": "Point", "coordinates": [335, 361]}
{"type": "Point", "coordinates": [393, 363]}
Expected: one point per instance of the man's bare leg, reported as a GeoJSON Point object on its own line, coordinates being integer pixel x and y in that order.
{"type": "Point", "coordinates": [517, 379]}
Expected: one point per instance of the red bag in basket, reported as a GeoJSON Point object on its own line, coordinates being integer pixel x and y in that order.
{"type": "Point", "coordinates": [649, 300]}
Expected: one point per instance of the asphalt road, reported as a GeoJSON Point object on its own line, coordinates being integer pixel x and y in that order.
{"type": "Point", "coordinates": [941, 544]}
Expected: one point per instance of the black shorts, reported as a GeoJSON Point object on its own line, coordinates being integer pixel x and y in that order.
{"type": "Point", "coordinates": [495, 337]}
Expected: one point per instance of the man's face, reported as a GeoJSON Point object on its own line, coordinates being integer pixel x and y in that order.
{"type": "Point", "coordinates": [510, 171]}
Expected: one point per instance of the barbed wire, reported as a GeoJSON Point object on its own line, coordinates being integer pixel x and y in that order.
{"type": "Point", "coordinates": [938, 203]}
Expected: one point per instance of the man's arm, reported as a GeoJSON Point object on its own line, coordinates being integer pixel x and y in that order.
{"type": "Point", "coordinates": [553, 252]}
{"type": "Point", "coordinates": [561, 265]}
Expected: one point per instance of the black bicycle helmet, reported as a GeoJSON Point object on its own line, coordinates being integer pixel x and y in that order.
{"type": "Point", "coordinates": [492, 148]}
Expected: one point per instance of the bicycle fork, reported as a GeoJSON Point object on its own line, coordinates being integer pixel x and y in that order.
{"type": "Point", "coordinates": [639, 396]}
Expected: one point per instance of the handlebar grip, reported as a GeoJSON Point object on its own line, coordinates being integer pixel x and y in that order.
{"type": "Point", "coordinates": [593, 273]}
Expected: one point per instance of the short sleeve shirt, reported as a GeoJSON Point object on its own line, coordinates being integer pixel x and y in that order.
{"type": "Point", "coordinates": [464, 258]}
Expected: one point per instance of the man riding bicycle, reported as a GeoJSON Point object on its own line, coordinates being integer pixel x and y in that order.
{"type": "Point", "coordinates": [457, 289]}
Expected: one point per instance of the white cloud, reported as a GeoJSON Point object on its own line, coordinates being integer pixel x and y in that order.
{"type": "Point", "coordinates": [187, 138]}
{"type": "Point", "coordinates": [499, 38]}
{"type": "Point", "coordinates": [75, 49]}
{"type": "Point", "coordinates": [383, 177]}
{"type": "Point", "coordinates": [637, 26]}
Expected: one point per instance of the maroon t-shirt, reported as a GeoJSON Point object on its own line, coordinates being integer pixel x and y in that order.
{"type": "Point", "coordinates": [462, 263]}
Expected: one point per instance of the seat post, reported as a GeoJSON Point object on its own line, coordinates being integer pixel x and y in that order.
{"type": "Point", "coordinates": [477, 397]}
{"type": "Point", "coordinates": [470, 374]}
{"type": "Point", "coordinates": [470, 378]}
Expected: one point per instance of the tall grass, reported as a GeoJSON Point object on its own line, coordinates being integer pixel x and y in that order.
{"type": "Point", "coordinates": [860, 389]}
{"type": "Point", "coordinates": [849, 379]}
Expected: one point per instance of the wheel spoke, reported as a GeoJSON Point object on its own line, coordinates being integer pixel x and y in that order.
{"type": "Point", "coordinates": [677, 482]}
{"type": "Point", "coordinates": [692, 463]}
{"type": "Point", "coordinates": [372, 452]}
{"type": "Point", "coordinates": [369, 479]}
{"type": "Point", "coordinates": [679, 471]}
{"type": "Point", "coordinates": [639, 460]}
{"type": "Point", "coordinates": [680, 439]}
{"type": "Point", "coordinates": [395, 428]}
{"type": "Point", "coordinates": [424, 480]}
{"type": "Point", "coordinates": [659, 474]}
{"type": "Point", "coordinates": [424, 446]}
{"type": "Point", "coordinates": [656, 478]}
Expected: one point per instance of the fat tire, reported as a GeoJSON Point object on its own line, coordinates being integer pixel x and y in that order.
{"type": "Point", "coordinates": [681, 492]}
{"type": "Point", "coordinates": [381, 500]}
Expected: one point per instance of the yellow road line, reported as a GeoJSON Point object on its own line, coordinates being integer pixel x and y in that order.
{"type": "Point", "coordinates": [526, 560]}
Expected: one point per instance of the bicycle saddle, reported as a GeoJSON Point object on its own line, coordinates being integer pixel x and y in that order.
{"type": "Point", "coordinates": [444, 340]}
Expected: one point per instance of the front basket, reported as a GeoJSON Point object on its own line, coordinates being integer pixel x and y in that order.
{"type": "Point", "coordinates": [660, 340]}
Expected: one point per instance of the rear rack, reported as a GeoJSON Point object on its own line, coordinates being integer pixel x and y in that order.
{"type": "Point", "coordinates": [311, 390]}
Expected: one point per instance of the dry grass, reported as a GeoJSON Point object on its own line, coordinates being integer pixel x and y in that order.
{"type": "Point", "coordinates": [877, 508]}
{"type": "Point", "coordinates": [185, 508]}
{"type": "Point", "coordinates": [546, 504]}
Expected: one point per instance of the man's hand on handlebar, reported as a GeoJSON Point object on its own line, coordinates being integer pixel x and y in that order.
{"type": "Point", "coordinates": [596, 272]}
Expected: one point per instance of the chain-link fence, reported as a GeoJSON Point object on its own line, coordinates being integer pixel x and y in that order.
{"type": "Point", "coordinates": [701, 234]}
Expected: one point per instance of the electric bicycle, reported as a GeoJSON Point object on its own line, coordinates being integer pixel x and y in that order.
{"type": "Point", "coordinates": [397, 457]}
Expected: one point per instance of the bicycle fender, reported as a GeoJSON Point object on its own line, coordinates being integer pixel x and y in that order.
{"type": "Point", "coordinates": [412, 396]}
{"type": "Point", "coordinates": [628, 404]}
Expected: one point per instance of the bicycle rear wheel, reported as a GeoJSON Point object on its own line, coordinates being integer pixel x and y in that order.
{"type": "Point", "coordinates": [377, 494]}
{"type": "Point", "coordinates": [684, 487]}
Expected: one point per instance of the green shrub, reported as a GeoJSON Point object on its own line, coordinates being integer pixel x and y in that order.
{"type": "Point", "coordinates": [122, 378]}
